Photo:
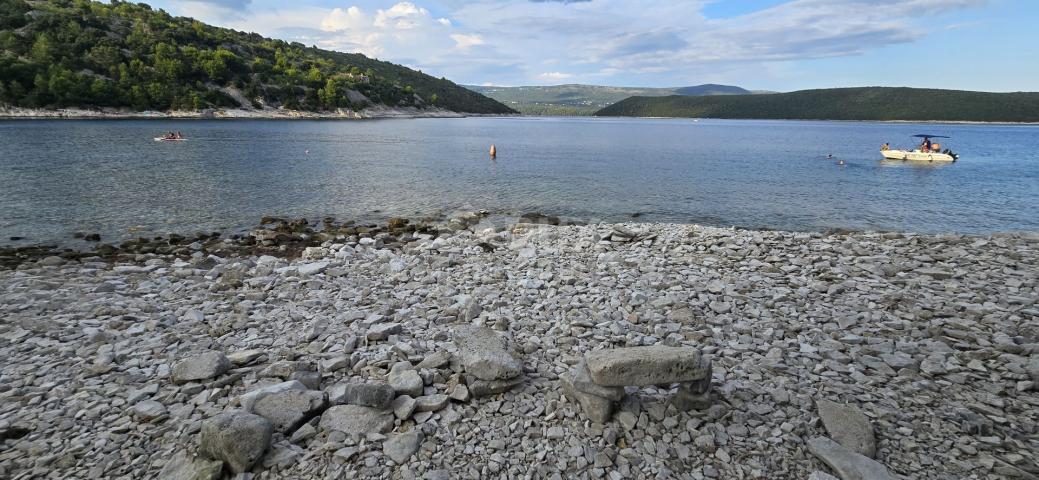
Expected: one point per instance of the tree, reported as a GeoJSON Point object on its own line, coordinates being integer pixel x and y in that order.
{"type": "Point", "coordinates": [16, 93]}
{"type": "Point", "coordinates": [433, 98]}
{"type": "Point", "coordinates": [42, 50]}
{"type": "Point", "coordinates": [167, 62]}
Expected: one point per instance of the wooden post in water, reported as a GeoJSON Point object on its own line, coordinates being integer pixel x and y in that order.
{"type": "Point", "coordinates": [494, 152]}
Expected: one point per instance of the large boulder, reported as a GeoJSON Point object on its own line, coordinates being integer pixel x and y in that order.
{"type": "Point", "coordinates": [200, 367]}
{"type": "Point", "coordinates": [485, 354]}
{"type": "Point", "coordinates": [645, 366]}
{"type": "Point", "coordinates": [356, 420]}
{"type": "Point", "coordinates": [238, 438]}
{"type": "Point", "coordinates": [289, 409]}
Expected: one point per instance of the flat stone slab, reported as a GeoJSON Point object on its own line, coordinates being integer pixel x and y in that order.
{"type": "Point", "coordinates": [645, 366]}
{"type": "Point", "coordinates": [367, 394]}
{"type": "Point", "coordinates": [200, 367]}
{"type": "Point", "coordinates": [582, 380]}
{"type": "Point", "coordinates": [485, 354]}
{"type": "Point", "coordinates": [401, 447]}
{"type": "Point", "coordinates": [846, 463]}
{"type": "Point", "coordinates": [248, 399]}
{"type": "Point", "coordinates": [289, 409]}
{"type": "Point", "coordinates": [356, 420]}
{"type": "Point", "coordinates": [848, 426]}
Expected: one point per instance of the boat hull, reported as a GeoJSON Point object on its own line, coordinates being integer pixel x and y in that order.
{"type": "Point", "coordinates": [917, 156]}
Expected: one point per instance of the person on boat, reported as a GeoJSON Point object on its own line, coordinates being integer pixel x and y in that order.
{"type": "Point", "coordinates": [926, 146]}
{"type": "Point", "coordinates": [885, 147]}
{"type": "Point", "coordinates": [179, 136]}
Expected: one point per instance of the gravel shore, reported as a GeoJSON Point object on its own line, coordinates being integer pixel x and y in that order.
{"type": "Point", "coordinates": [379, 111]}
{"type": "Point", "coordinates": [119, 370]}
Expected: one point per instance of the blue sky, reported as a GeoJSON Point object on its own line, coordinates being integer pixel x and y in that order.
{"type": "Point", "coordinates": [783, 45]}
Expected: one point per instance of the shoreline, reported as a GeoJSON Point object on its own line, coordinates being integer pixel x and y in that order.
{"type": "Point", "coordinates": [373, 113]}
{"type": "Point", "coordinates": [287, 236]}
{"type": "Point", "coordinates": [949, 122]}
{"type": "Point", "coordinates": [934, 337]}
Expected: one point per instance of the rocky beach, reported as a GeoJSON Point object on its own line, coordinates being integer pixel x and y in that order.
{"type": "Point", "coordinates": [533, 351]}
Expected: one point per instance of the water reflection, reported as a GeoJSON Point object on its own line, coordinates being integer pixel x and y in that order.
{"type": "Point", "coordinates": [63, 176]}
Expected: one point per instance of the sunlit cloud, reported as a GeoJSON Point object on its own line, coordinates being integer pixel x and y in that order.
{"type": "Point", "coordinates": [531, 41]}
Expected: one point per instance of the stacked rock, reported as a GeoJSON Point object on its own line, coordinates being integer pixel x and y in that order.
{"type": "Point", "coordinates": [487, 359]}
{"type": "Point", "coordinates": [598, 381]}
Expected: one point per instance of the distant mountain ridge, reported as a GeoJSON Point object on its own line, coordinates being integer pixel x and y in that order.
{"type": "Point", "coordinates": [858, 103]}
{"type": "Point", "coordinates": [579, 99]}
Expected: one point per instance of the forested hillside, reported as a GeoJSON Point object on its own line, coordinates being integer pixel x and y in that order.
{"type": "Point", "coordinates": [81, 53]}
{"type": "Point", "coordinates": [866, 103]}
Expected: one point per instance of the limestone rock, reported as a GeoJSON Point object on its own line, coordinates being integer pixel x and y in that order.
{"type": "Point", "coordinates": [148, 410]}
{"type": "Point", "coordinates": [403, 406]}
{"type": "Point", "coordinates": [289, 409]}
{"type": "Point", "coordinates": [404, 380]}
{"type": "Point", "coordinates": [597, 409]}
{"type": "Point", "coordinates": [485, 354]}
{"type": "Point", "coordinates": [645, 366]}
{"type": "Point", "coordinates": [431, 403]}
{"type": "Point", "coordinates": [482, 388]}
{"type": "Point", "coordinates": [581, 378]}
{"type": "Point", "coordinates": [356, 420]}
{"type": "Point", "coordinates": [846, 463]}
{"type": "Point", "coordinates": [183, 466]}
{"type": "Point", "coordinates": [200, 367]}
{"type": "Point", "coordinates": [247, 399]}
{"type": "Point", "coordinates": [401, 447]}
{"type": "Point", "coordinates": [848, 426]}
{"type": "Point", "coordinates": [367, 394]}
{"type": "Point", "coordinates": [236, 437]}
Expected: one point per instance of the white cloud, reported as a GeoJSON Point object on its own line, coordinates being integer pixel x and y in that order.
{"type": "Point", "coordinates": [402, 16]}
{"type": "Point", "coordinates": [463, 41]}
{"type": "Point", "coordinates": [670, 43]}
{"type": "Point", "coordinates": [551, 76]}
{"type": "Point", "coordinates": [340, 19]}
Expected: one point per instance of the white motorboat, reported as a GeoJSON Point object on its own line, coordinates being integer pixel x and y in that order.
{"type": "Point", "coordinates": [927, 151]}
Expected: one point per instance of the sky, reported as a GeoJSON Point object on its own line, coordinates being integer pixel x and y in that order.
{"type": "Point", "coordinates": [987, 45]}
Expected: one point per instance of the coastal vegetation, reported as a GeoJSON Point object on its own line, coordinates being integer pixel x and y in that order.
{"type": "Point", "coordinates": [577, 100]}
{"type": "Point", "coordinates": [82, 53]}
{"type": "Point", "coordinates": [864, 103]}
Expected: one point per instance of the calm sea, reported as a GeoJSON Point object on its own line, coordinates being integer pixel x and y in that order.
{"type": "Point", "coordinates": [62, 176]}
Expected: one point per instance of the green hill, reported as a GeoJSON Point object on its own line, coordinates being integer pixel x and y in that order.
{"type": "Point", "coordinates": [81, 53]}
{"type": "Point", "coordinates": [865, 103]}
{"type": "Point", "coordinates": [577, 99]}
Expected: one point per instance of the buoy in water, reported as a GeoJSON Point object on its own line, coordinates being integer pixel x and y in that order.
{"type": "Point", "coordinates": [494, 151]}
